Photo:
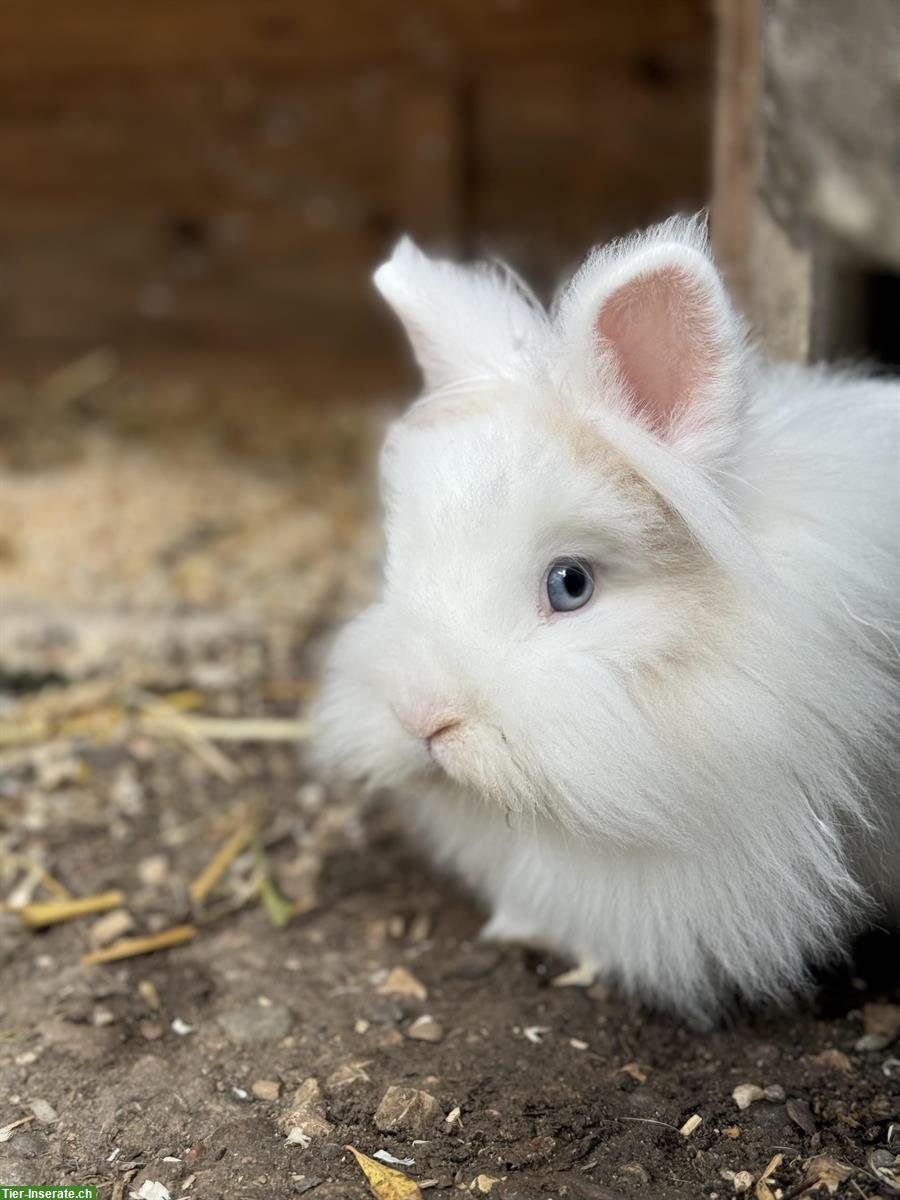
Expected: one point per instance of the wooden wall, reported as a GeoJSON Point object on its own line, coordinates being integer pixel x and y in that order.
{"type": "Point", "coordinates": [212, 174]}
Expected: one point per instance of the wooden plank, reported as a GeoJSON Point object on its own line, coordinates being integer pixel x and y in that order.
{"type": "Point", "coordinates": [804, 301]}
{"type": "Point", "coordinates": [260, 222]}
{"type": "Point", "coordinates": [737, 145]}
{"type": "Point", "coordinates": [772, 279]}
{"type": "Point", "coordinates": [227, 173]}
{"type": "Point", "coordinates": [111, 38]}
{"type": "Point", "coordinates": [566, 156]}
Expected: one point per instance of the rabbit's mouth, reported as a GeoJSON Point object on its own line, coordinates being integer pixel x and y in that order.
{"type": "Point", "coordinates": [479, 759]}
{"type": "Point", "coordinates": [444, 744]}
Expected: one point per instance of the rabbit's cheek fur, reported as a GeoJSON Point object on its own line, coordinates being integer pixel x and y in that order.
{"type": "Point", "coordinates": [593, 679]}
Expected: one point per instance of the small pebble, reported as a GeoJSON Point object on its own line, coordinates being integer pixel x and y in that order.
{"type": "Point", "coordinates": [837, 1060]}
{"type": "Point", "coordinates": [401, 982]}
{"type": "Point", "coordinates": [266, 1089]}
{"type": "Point", "coordinates": [637, 1172]}
{"type": "Point", "coordinates": [882, 1019]}
{"type": "Point", "coordinates": [103, 1016]}
{"type": "Point", "coordinates": [484, 1184]}
{"type": "Point", "coordinates": [44, 1113]}
{"type": "Point", "coordinates": [871, 1043]}
{"type": "Point", "coordinates": [389, 1039]}
{"type": "Point", "coordinates": [182, 1028]}
{"type": "Point", "coordinates": [348, 1074]}
{"type": "Point", "coordinates": [746, 1094]}
{"type": "Point", "coordinates": [800, 1114]}
{"type": "Point", "coordinates": [407, 1110]}
{"type": "Point", "coordinates": [111, 926]}
{"type": "Point", "coordinates": [879, 1159]}
{"type": "Point", "coordinates": [307, 1112]}
{"type": "Point", "coordinates": [149, 995]}
{"type": "Point", "coordinates": [386, 1012]}
{"type": "Point", "coordinates": [153, 871]}
{"type": "Point", "coordinates": [256, 1022]}
{"type": "Point", "coordinates": [425, 1029]}
{"type": "Point", "coordinates": [637, 1073]}
{"type": "Point", "coordinates": [151, 1031]}
{"type": "Point", "coordinates": [304, 1183]}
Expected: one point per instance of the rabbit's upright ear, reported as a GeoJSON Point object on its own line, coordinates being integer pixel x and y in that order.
{"type": "Point", "coordinates": [647, 320]}
{"type": "Point", "coordinates": [465, 323]}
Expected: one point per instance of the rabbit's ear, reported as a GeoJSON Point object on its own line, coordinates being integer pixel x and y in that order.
{"type": "Point", "coordinates": [464, 323]}
{"type": "Point", "coordinates": [649, 317]}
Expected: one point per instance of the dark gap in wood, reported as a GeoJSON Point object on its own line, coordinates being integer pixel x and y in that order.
{"type": "Point", "coordinates": [883, 318]}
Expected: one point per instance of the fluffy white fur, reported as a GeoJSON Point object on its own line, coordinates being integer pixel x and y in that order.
{"type": "Point", "coordinates": [692, 780]}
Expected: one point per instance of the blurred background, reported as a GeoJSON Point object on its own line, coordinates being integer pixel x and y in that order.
{"type": "Point", "coordinates": [193, 360]}
{"type": "Point", "coordinates": [222, 178]}
{"type": "Point", "coordinates": [194, 197]}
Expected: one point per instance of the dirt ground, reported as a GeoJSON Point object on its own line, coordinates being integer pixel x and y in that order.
{"type": "Point", "coordinates": [174, 551]}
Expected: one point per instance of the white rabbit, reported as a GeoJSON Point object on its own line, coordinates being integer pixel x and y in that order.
{"type": "Point", "coordinates": [634, 668]}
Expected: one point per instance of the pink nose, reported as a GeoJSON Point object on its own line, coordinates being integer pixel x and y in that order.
{"type": "Point", "coordinates": [425, 720]}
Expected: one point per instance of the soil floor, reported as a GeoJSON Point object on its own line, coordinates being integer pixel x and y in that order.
{"type": "Point", "coordinates": [174, 553]}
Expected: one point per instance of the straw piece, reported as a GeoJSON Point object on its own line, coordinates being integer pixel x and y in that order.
{"type": "Point", "coordinates": [249, 729]}
{"type": "Point", "coordinates": [184, 699]}
{"type": "Point", "coordinates": [149, 995]}
{"type": "Point", "coordinates": [50, 912]}
{"type": "Point", "coordinates": [219, 863]}
{"type": "Point", "coordinates": [7, 1131]}
{"type": "Point", "coordinates": [162, 721]}
{"type": "Point", "coordinates": [763, 1191]}
{"type": "Point", "coordinates": [54, 886]}
{"type": "Point", "coordinates": [132, 947]}
{"type": "Point", "coordinates": [17, 733]}
{"type": "Point", "coordinates": [78, 378]}
{"type": "Point", "coordinates": [288, 689]}
{"type": "Point", "coordinates": [45, 879]}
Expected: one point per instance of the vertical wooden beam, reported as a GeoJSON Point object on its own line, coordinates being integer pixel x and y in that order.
{"type": "Point", "coordinates": [737, 137]}
{"type": "Point", "coordinates": [800, 302]}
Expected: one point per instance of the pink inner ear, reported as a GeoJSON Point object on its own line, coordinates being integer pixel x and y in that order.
{"type": "Point", "coordinates": [662, 327]}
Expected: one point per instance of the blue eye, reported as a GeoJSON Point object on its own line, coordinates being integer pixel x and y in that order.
{"type": "Point", "coordinates": [570, 584]}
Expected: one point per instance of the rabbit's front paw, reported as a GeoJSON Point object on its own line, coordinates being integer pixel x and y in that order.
{"type": "Point", "coordinates": [585, 973]}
